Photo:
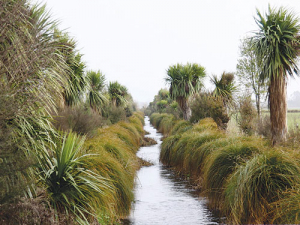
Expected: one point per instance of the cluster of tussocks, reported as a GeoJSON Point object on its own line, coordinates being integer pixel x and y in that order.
{"type": "Point", "coordinates": [243, 177]}
{"type": "Point", "coordinates": [116, 161]}
{"type": "Point", "coordinates": [84, 180]}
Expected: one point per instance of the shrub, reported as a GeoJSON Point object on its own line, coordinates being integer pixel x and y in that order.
{"type": "Point", "coordinates": [116, 114]}
{"type": "Point", "coordinates": [205, 105]}
{"type": "Point", "coordinates": [264, 126]}
{"type": "Point", "coordinates": [29, 211]}
{"type": "Point", "coordinates": [79, 119]}
{"type": "Point", "coordinates": [247, 115]}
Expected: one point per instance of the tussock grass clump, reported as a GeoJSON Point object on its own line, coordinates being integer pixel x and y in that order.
{"type": "Point", "coordinates": [157, 118]}
{"type": "Point", "coordinates": [181, 126]}
{"type": "Point", "coordinates": [257, 184]}
{"type": "Point", "coordinates": [166, 147]}
{"type": "Point", "coordinates": [163, 122]}
{"type": "Point", "coordinates": [192, 160]}
{"type": "Point", "coordinates": [138, 122]}
{"type": "Point", "coordinates": [166, 124]}
{"type": "Point", "coordinates": [224, 162]}
{"type": "Point", "coordinates": [243, 176]}
{"type": "Point", "coordinates": [140, 116]}
{"type": "Point", "coordinates": [153, 118]}
{"type": "Point", "coordinates": [198, 157]}
{"type": "Point", "coordinates": [115, 147]}
{"type": "Point", "coordinates": [287, 207]}
{"type": "Point", "coordinates": [205, 124]}
{"type": "Point", "coordinates": [133, 132]}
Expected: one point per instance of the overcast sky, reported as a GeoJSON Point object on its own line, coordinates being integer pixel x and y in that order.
{"type": "Point", "coordinates": [135, 41]}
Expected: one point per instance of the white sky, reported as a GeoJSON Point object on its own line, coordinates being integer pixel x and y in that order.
{"type": "Point", "coordinates": [135, 41]}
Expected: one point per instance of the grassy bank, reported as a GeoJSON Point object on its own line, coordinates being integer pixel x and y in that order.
{"type": "Point", "coordinates": [242, 176]}
{"type": "Point", "coordinates": [82, 180]}
{"type": "Point", "coordinates": [116, 161]}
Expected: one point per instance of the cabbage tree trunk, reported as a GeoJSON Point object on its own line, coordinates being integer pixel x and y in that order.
{"type": "Point", "coordinates": [278, 109]}
{"type": "Point", "coordinates": [186, 110]}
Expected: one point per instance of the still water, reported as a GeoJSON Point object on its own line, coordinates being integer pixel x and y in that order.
{"type": "Point", "coordinates": [160, 197]}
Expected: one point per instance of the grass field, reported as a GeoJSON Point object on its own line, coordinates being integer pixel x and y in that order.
{"type": "Point", "coordinates": [293, 117]}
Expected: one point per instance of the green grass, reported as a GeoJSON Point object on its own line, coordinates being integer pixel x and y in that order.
{"type": "Point", "coordinates": [94, 178]}
{"type": "Point", "coordinates": [116, 146]}
{"type": "Point", "coordinates": [257, 184]}
{"type": "Point", "coordinates": [222, 163]}
{"type": "Point", "coordinates": [293, 117]}
{"type": "Point", "coordinates": [244, 177]}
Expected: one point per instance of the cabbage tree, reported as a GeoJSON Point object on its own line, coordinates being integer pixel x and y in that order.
{"type": "Point", "coordinates": [184, 81]}
{"type": "Point", "coordinates": [277, 46]}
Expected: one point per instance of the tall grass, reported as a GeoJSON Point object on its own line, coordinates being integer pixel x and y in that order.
{"type": "Point", "coordinates": [93, 179]}
{"type": "Point", "coordinates": [259, 182]}
{"type": "Point", "coordinates": [248, 180]}
{"type": "Point", "coordinates": [222, 163]}
{"type": "Point", "coordinates": [116, 146]}
{"type": "Point", "coordinates": [287, 207]}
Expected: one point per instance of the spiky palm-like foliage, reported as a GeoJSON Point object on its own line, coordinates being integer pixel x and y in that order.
{"type": "Point", "coordinates": [96, 98]}
{"type": "Point", "coordinates": [72, 186]}
{"type": "Point", "coordinates": [117, 93]}
{"type": "Point", "coordinates": [224, 87]}
{"type": "Point", "coordinates": [277, 45]}
{"type": "Point", "coordinates": [77, 81]}
{"type": "Point", "coordinates": [184, 80]}
{"type": "Point", "coordinates": [31, 79]}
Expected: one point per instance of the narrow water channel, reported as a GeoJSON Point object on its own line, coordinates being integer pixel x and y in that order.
{"type": "Point", "coordinates": [160, 197]}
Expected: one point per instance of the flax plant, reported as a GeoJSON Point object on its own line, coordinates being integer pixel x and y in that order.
{"type": "Point", "coordinates": [31, 84]}
{"type": "Point", "coordinates": [72, 185]}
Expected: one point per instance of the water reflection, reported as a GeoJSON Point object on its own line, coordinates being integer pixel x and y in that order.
{"type": "Point", "coordinates": [162, 198]}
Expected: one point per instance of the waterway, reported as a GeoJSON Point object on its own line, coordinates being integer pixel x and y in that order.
{"type": "Point", "coordinates": [161, 197]}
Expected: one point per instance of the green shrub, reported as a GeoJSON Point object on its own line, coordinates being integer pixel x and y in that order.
{"type": "Point", "coordinates": [247, 115]}
{"type": "Point", "coordinates": [78, 119]}
{"type": "Point", "coordinates": [205, 105]}
{"type": "Point", "coordinates": [116, 114]}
